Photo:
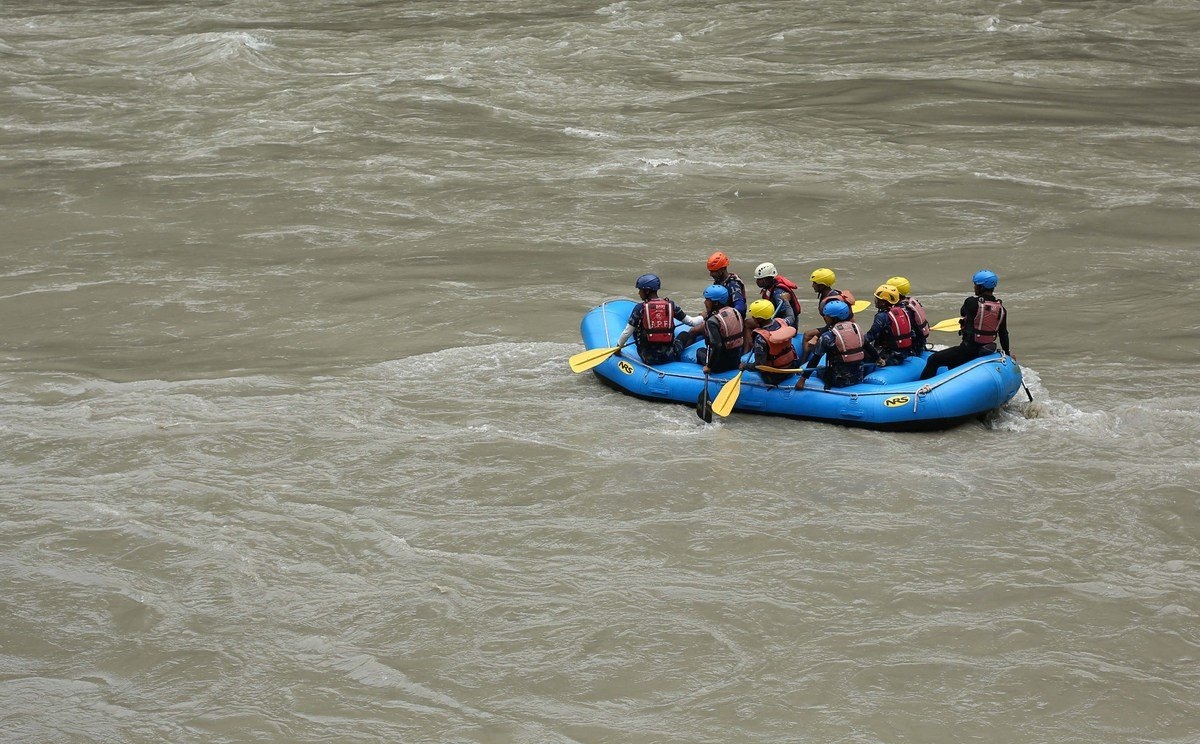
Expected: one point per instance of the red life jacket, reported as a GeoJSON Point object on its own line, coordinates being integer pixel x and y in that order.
{"type": "Point", "coordinates": [988, 319]}
{"type": "Point", "coordinates": [658, 320]}
{"type": "Point", "coordinates": [836, 294]}
{"type": "Point", "coordinates": [917, 311]}
{"type": "Point", "coordinates": [902, 336]}
{"type": "Point", "coordinates": [779, 344]}
{"type": "Point", "coordinates": [732, 329]}
{"type": "Point", "coordinates": [788, 286]}
{"type": "Point", "coordinates": [848, 340]}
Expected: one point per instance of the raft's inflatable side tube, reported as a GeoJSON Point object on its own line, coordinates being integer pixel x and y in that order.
{"type": "Point", "coordinates": [889, 398]}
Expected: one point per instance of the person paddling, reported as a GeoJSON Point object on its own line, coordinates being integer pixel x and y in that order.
{"type": "Point", "coordinates": [780, 290]}
{"type": "Point", "coordinates": [891, 338]}
{"type": "Point", "coordinates": [841, 343]}
{"type": "Point", "coordinates": [723, 330]}
{"type": "Point", "coordinates": [718, 269]}
{"type": "Point", "coordinates": [771, 342]}
{"type": "Point", "coordinates": [983, 321]}
{"type": "Point", "coordinates": [822, 283]}
{"type": "Point", "coordinates": [652, 323]}
{"type": "Point", "coordinates": [916, 311]}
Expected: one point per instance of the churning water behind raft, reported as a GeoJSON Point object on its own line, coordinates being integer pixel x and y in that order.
{"type": "Point", "coordinates": [889, 398]}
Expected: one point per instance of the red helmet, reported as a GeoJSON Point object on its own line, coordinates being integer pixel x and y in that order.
{"type": "Point", "coordinates": [717, 261]}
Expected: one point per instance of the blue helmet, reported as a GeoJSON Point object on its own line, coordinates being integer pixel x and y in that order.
{"type": "Point", "coordinates": [717, 293]}
{"type": "Point", "coordinates": [986, 279]}
{"type": "Point", "coordinates": [649, 281]}
{"type": "Point", "coordinates": [836, 309]}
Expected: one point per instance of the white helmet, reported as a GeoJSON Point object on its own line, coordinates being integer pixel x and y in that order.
{"type": "Point", "coordinates": [765, 270]}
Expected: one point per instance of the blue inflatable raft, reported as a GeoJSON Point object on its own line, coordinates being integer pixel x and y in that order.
{"type": "Point", "coordinates": [889, 398]}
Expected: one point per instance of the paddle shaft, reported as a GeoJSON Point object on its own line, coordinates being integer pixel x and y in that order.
{"type": "Point", "coordinates": [703, 408]}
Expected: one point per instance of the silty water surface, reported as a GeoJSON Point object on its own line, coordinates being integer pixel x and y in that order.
{"type": "Point", "coordinates": [291, 451]}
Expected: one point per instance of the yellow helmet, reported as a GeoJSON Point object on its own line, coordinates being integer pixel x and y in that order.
{"type": "Point", "coordinates": [762, 309]}
{"type": "Point", "coordinates": [901, 284]}
{"type": "Point", "coordinates": [887, 293]}
{"type": "Point", "coordinates": [824, 276]}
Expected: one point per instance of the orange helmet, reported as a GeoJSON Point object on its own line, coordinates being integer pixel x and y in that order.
{"type": "Point", "coordinates": [717, 261]}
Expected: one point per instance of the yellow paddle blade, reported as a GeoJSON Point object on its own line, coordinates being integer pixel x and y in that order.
{"type": "Point", "coordinates": [585, 360]}
{"type": "Point", "coordinates": [723, 405]}
{"type": "Point", "coordinates": [861, 305]}
{"type": "Point", "coordinates": [949, 324]}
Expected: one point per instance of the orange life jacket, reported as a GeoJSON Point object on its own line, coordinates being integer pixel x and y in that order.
{"type": "Point", "coordinates": [836, 294]}
{"type": "Point", "coordinates": [779, 343]}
